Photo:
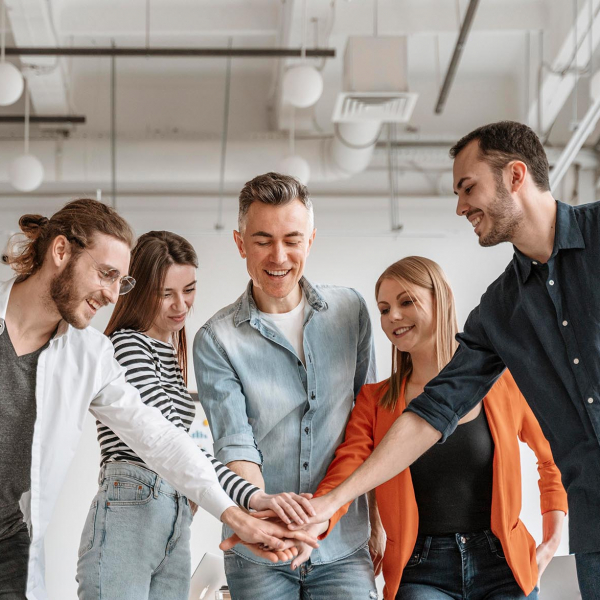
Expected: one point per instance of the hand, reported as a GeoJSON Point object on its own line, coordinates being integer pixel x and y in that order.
{"type": "Point", "coordinates": [288, 552]}
{"type": "Point", "coordinates": [324, 508]}
{"type": "Point", "coordinates": [304, 549]}
{"type": "Point", "coordinates": [287, 506]}
{"type": "Point", "coordinates": [552, 531]}
{"type": "Point", "coordinates": [377, 546]}
{"type": "Point", "coordinates": [193, 507]}
{"type": "Point", "coordinates": [256, 531]}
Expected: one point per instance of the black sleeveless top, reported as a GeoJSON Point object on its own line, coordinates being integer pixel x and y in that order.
{"type": "Point", "coordinates": [453, 481]}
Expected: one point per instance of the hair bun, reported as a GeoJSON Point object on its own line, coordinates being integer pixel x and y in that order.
{"type": "Point", "coordinates": [31, 225]}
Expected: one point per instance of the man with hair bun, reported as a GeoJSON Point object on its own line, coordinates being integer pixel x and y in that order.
{"type": "Point", "coordinates": [55, 368]}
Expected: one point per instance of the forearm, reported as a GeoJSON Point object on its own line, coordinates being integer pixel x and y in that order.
{"type": "Point", "coordinates": [552, 527]}
{"type": "Point", "coordinates": [249, 471]}
{"type": "Point", "coordinates": [374, 517]}
{"type": "Point", "coordinates": [408, 438]}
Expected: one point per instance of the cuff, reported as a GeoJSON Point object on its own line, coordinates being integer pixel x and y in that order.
{"type": "Point", "coordinates": [444, 420]}
{"type": "Point", "coordinates": [553, 501]}
{"type": "Point", "coordinates": [227, 452]}
{"type": "Point", "coordinates": [216, 501]}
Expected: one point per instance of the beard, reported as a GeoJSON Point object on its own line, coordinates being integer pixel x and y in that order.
{"type": "Point", "coordinates": [504, 216]}
{"type": "Point", "coordinates": [65, 297]}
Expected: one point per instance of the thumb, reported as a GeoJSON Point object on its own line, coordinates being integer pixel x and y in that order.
{"type": "Point", "coordinates": [229, 542]}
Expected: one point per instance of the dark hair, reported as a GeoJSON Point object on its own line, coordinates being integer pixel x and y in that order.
{"type": "Point", "coordinates": [274, 189]}
{"type": "Point", "coordinates": [78, 221]}
{"type": "Point", "coordinates": [152, 256]}
{"type": "Point", "coordinates": [505, 141]}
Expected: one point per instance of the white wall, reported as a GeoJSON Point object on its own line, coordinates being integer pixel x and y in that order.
{"type": "Point", "coordinates": [352, 248]}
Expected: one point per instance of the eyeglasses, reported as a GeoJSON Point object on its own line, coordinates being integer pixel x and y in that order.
{"type": "Point", "coordinates": [109, 276]}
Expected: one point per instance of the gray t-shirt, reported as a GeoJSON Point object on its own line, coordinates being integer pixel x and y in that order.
{"type": "Point", "coordinates": [17, 419]}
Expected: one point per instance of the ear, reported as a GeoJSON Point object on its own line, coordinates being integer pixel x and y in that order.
{"type": "Point", "coordinates": [517, 172]}
{"type": "Point", "coordinates": [239, 242]}
{"type": "Point", "coordinates": [311, 239]}
{"type": "Point", "coordinates": [60, 251]}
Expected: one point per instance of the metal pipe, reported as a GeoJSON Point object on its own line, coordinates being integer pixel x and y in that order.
{"type": "Point", "coordinates": [219, 224]}
{"type": "Point", "coordinates": [458, 50]}
{"type": "Point", "coordinates": [173, 52]}
{"type": "Point", "coordinates": [42, 119]}
{"type": "Point", "coordinates": [113, 129]}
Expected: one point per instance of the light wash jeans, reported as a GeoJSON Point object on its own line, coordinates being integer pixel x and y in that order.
{"type": "Point", "coordinates": [135, 543]}
{"type": "Point", "coordinates": [349, 578]}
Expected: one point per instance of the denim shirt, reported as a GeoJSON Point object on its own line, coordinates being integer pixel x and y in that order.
{"type": "Point", "coordinates": [542, 321]}
{"type": "Point", "coordinates": [264, 406]}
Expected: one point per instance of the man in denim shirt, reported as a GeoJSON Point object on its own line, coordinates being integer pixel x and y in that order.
{"type": "Point", "coordinates": [278, 371]}
{"type": "Point", "coordinates": [540, 319]}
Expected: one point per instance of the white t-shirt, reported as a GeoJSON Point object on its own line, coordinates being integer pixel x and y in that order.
{"type": "Point", "coordinates": [291, 325]}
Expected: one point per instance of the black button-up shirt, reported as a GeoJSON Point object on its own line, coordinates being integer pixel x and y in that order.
{"type": "Point", "coordinates": [542, 322]}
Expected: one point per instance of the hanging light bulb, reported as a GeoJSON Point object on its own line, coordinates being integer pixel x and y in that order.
{"type": "Point", "coordinates": [302, 86]}
{"type": "Point", "coordinates": [26, 172]}
{"type": "Point", "coordinates": [11, 80]}
{"type": "Point", "coordinates": [293, 164]}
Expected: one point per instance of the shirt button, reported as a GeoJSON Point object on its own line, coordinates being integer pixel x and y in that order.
{"type": "Point", "coordinates": [463, 539]}
{"type": "Point", "coordinates": [590, 401]}
{"type": "Point", "coordinates": [565, 323]}
{"type": "Point", "coordinates": [551, 282]}
{"type": "Point", "coordinates": [306, 430]}
{"type": "Point", "coordinates": [534, 262]}
{"type": "Point", "coordinates": [576, 361]}
{"type": "Point", "coordinates": [305, 465]}
{"type": "Point", "coordinates": [312, 396]}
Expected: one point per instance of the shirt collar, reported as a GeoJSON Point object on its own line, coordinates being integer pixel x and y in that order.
{"type": "Point", "coordinates": [567, 236]}
{"type": "Point", "coordinates": [5, 289]}
{"type": "Point", "coordinates": [247, 307]}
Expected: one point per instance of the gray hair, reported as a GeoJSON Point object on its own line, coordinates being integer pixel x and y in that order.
{"type": "Point", "coordinates": [274, 189]}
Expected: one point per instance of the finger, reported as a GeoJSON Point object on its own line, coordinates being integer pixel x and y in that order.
{"type": "Point", "coordinates": [303, 500]}
{"type": "Point", "coordinates": [229, 542]}
{"type": "Point", "coordinates": [306, 495]}
{"type": "Point", "coordinates": [302, 557]}
{"type": "Point", "coordinates": [294, 510]}
{"type": "Point", "coordinates": [262, 553]}
{"type": "Point", "coordinates": [263, 514]}
{"type": "Point", "coordinates": [280, 512]}
{"type": "Point", "coordinates": [304, 537]}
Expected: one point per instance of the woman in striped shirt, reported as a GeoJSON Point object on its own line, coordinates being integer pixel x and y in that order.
{"type": "Point", "coordinates": [143, 550]}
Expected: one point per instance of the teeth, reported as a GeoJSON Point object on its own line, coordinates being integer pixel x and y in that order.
{"type": "Point", "coordinates": [476, 221]}
{"type": "Point", "coordinates": [277, 273]}
{"type": "Point", "coordinates": [402, 330]}
{"type": "Point", "coordinates": [95, 305]}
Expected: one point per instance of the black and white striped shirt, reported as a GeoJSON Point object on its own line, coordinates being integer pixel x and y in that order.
{"type": "Point", "coordinates": [152, 368]}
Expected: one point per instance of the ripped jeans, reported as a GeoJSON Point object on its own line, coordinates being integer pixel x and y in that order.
{"type": "Point", "coordinates": [349, 578]}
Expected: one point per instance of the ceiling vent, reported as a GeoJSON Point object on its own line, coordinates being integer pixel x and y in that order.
{"type": "Point", "coordinates": [384, 107]}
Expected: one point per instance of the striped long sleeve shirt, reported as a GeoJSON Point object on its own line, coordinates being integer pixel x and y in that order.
{"type": "Point", "coordinates": [153, 369]}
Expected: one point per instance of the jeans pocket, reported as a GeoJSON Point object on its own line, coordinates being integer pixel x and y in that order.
{"type": "Point", "coordinates": [419, 554]}
{"type": "Point", "coordinates": [123, 491]}
{"type": "Point", "coordinates": [88, 535]}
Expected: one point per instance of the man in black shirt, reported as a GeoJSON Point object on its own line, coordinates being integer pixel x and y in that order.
{"type": "Point", "coordinates": [540, 318]}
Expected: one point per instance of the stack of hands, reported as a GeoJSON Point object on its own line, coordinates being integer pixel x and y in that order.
{"type": "Point", "coordinates": [287, 526]}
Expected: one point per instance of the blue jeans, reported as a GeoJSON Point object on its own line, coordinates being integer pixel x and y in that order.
{"type": "Point", "coordinates": [350, 578]}
{"type": "Point", "coordinates": [14, 556]}
{"type": "Point", "coordinates": [459, 566]}
{"type": "Point", "coordinates": [588, 575]}
{"type": "Point", "coordinates": [135, 543]}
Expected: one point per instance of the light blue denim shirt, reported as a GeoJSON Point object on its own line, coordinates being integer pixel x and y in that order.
{"type": "Point", "coordinates": [264, 406]}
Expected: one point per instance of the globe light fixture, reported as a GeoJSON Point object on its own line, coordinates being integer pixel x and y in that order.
{"type": "Point", "coordinates": [296, 166]}
{"type": "Point", "coordinates": [302, 86]}
{"type": "Point", "coordinates": [26, 173]}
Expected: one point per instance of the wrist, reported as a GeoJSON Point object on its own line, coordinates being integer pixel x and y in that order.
{"type": "Point", "coordinates": [255, 499]}
{"type": "Point", "coordinates": [232, 517]}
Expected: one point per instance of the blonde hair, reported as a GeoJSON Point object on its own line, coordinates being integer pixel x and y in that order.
{"type": "Point", "coordinates": [417, 271]}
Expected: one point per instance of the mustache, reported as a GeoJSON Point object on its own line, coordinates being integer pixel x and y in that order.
{"type": "Point", "coordinates": [473, 211]}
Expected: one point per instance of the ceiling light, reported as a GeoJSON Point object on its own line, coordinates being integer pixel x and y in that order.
{"type": "Point", "coordinates": [302, 86]}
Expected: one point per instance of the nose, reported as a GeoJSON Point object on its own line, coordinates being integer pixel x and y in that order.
{"type": "Point", "coordinates": [462, 207]}
{"type": "Point", "coordinates": [278, 254]}
{"type": "Point", "coordinates": [112, 292]}
{"type": "Point", "coordinates": [396, 314]}
{"type": "Point", "coordinates": [178, 302]}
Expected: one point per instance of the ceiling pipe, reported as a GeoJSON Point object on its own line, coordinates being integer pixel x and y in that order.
{"type": "Point", "coordinates": [75, 119]}
{"type": "Point", "coordinates": [175, 52]}
{"type": "Point", "coordinates": [458, 50]}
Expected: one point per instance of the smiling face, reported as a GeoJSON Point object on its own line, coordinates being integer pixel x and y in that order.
{"type": "Point", "coordinates": [484, 198]}
{"type": "Point", "coordinates": [77, 291]}
{"type": "Point", "coordinates": [407, 316]}
{"type": "Point", "coordinates": [275, 243]}
{"type": "Point", "coordinates": [176, 300]}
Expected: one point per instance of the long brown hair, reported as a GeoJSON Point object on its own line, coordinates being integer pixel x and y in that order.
{"type": "Point", "coordinates": [152, 256]}
{"type": "Point", "coordinates": [78, 221]}
{"type": "Point", "coordinates": [417, 271]}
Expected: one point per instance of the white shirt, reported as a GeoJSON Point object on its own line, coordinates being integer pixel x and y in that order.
{"type": "Point", "coordinates": [291, 325]}
{"type": "Point", "coordinates": [77, 372]}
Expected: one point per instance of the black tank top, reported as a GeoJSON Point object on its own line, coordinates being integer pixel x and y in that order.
{"type": "Point", "coordinates": [453, 481]}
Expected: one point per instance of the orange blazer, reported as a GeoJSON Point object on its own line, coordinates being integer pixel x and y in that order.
{"type": "Point", "coordinates": [509, 418]}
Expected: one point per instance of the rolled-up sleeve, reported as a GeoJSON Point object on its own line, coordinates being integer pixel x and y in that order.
{"type": "Point", "coordinates": [464, 382]}
{"type": "Point", "coordinates": [221, 395]}
{"type": "Point", "coordinates": [166, 449]}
